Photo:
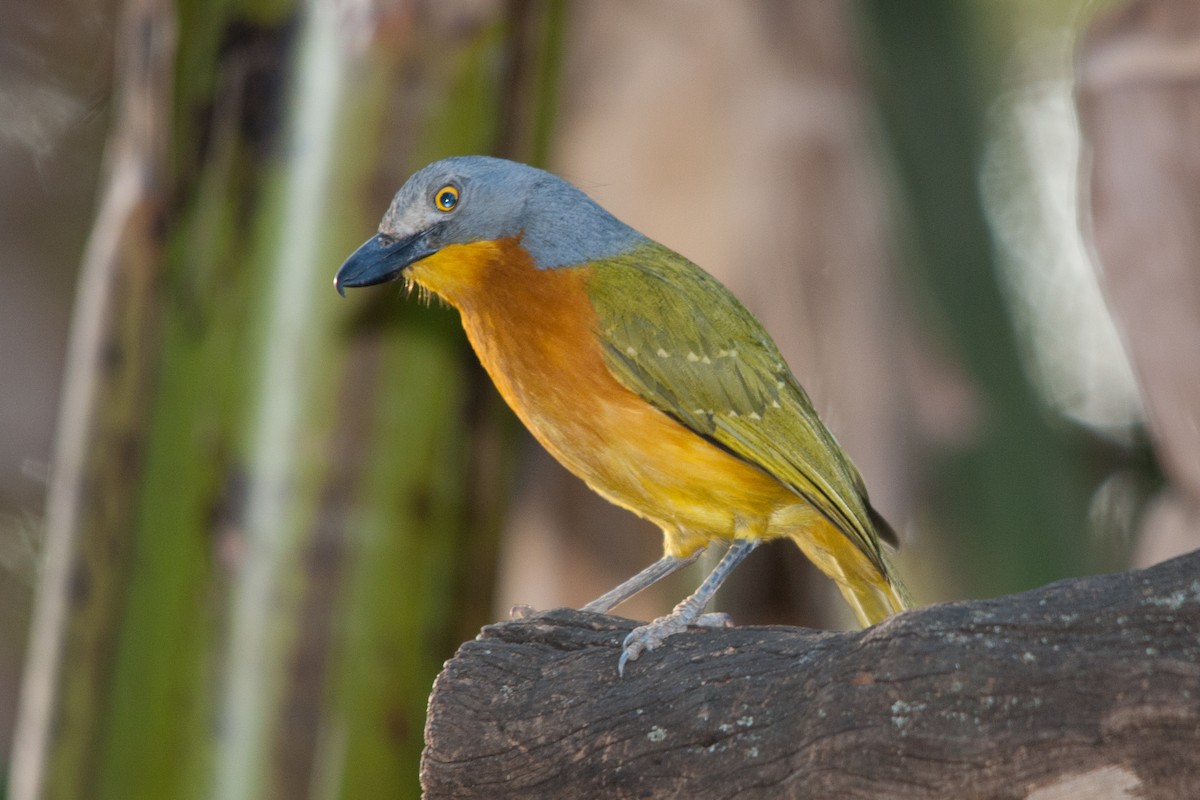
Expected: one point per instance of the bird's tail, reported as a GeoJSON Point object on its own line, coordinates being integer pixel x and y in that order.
{"type": "Point", "coordinates": [876, 599]}
{"type": "Point", "coordinates": [872, 593]}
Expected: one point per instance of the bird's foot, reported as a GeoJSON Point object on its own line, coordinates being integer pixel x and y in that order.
{"type": "Point", "coordinates": [649, 636]}
{"type": "Point", "coordinates": [714, 619]}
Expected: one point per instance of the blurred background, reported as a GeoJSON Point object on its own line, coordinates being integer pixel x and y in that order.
{"type": "Point", "coordinates": [244, 521]}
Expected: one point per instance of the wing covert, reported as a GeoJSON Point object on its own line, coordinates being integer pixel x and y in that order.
{"type": "Point", "coordinates": [718, 372]}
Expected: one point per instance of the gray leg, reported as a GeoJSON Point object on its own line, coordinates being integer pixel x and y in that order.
{"type": "Point", "coordinates": [647, 637]}
{"type": "Point", "coordinates": [650, 575]}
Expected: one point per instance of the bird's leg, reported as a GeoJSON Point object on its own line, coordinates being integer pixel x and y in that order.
{"type": "Point", "coordinates": [647, 577]}
{"type": "Point", "coordinates": [647, 637]}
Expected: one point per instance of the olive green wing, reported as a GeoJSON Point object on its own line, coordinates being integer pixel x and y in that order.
{"type": "Point", "coordinates": [678, 338]}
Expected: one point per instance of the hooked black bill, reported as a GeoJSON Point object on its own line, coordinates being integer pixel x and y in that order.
{"type": "Point", "coordinates": [381, 259]}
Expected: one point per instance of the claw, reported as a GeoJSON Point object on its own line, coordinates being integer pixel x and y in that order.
{"type": "Point", "coordinates": [630, 650]}
{"type": "Point", "coordinates": [647, 637]}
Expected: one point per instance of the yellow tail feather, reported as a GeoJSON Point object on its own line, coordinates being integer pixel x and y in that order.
{"type": "Point", "coordinates": [873, 601]}
{"type": "Point", "coordinates": [874, 596]}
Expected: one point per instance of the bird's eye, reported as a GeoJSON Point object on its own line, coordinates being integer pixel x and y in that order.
{"type": "Point", "coordinates": [446, 198]}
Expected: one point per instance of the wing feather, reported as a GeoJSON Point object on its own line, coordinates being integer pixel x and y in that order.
{"type": "Point", "coordinates": [679, 339]}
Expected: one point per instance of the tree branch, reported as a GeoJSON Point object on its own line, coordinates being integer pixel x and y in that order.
{"type": "Point", "coordinates": [1079, 687]}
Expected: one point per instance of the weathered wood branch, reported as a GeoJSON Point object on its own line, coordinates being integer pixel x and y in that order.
{"type": "Point", "coordinates": [1087, 687]}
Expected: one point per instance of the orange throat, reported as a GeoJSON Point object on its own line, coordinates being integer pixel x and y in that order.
{"type": "Point", "coordinates": [533, 330]}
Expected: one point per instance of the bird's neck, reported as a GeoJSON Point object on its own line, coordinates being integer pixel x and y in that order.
{"type": "Point", "coordinates": [531, 328]}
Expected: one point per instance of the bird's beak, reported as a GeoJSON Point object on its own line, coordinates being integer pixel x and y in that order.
{"type": "Point", "coordinates": [380, 259]}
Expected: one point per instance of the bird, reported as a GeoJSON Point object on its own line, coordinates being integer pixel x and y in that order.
{"type": "Point", "coordinates": [640, 373]}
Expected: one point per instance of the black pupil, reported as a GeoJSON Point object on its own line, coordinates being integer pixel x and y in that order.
{"type": "Point", "coordinates": [447, 199]}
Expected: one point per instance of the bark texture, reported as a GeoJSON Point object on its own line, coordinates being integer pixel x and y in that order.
{"type": "Point", "coordinates": [1087, 687]}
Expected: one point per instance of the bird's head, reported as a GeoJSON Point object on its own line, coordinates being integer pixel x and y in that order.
{"type": "Point", "coordinates": [469, 200]}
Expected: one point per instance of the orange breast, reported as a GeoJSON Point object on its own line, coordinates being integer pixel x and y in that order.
{"type": "Point", "coordinates": [534, 332]}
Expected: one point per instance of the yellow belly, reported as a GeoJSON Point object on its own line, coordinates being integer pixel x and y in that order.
{"type": "Point", "coordinates": [643, 460]}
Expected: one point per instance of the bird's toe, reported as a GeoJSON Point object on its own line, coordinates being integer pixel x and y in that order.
{"type": "Point", "coordinates": [521, 611]}
{"type": "Point", "coordinates": [714, 619]}
{"type": "Point", "coordinates": [649, 636]}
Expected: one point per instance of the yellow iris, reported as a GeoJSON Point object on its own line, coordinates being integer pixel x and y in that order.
{"type": "Point", "coordinates": [446, 198]}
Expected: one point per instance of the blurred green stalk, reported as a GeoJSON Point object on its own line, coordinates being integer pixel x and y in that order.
{"type": "Point", "coordinates": [269, 506]}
